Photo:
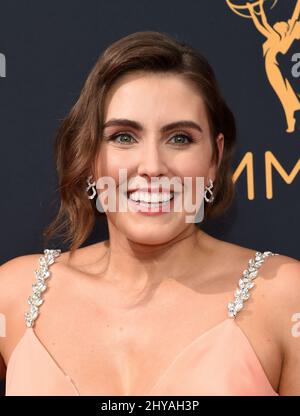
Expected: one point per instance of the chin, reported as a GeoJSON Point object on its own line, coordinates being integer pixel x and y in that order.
{"type": "Point", "coordinates": [152, 233]}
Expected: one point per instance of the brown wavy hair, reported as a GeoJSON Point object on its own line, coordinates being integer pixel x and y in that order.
{"type": "Point", "coordinates": [79, 134]}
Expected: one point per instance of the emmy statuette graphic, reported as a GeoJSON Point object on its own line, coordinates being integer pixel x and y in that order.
{"type": "Point", "coordinates": [279, 38]}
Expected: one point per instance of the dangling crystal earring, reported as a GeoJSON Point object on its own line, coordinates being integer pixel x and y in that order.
{"type": "Point", "coordinates": [209, 189]}
{"type": "Point", "coordinates": [91, 185]}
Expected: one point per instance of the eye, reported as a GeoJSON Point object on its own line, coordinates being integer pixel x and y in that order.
{"type": "Point", "coordinates": [183, 136]}
{"type": "Point", "coordinates": [114, 137]}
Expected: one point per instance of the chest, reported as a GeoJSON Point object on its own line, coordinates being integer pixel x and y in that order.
{"type": "Point", "coordinates": [180, 341]}
{"type": "Point", "coordinates": [111, 356]}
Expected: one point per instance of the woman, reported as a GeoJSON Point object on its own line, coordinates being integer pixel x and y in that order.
{"type": "Point", "coordinates": [145, 312]}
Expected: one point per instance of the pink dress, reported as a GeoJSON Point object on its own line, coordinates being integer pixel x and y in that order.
{"type": "Point", "coordinates": [220, 361]}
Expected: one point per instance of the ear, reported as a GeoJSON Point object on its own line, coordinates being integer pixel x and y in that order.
{"type": "Point", "coordinates": [218, 157]}
{"type": "Point", "coordinates": [220, 144]}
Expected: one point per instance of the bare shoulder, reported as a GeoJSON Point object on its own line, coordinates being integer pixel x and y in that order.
{"type": "Point", "coordinates": [16, 277]}
{"type": "Point", "coordinates": [281, 278]}
{"type": "Point", "coordinates": [280, 295]}
{"type": "Point", "coordinates": [279, 281]}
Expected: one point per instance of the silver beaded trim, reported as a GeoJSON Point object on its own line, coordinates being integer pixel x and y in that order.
{"type": "Point", "coordinates": [42, 273]}
{"type": "Point", "coordinates": [246, 282]}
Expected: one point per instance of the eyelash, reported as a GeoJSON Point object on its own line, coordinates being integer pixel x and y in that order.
{"type": "Point", "coordinates": [187, 136]}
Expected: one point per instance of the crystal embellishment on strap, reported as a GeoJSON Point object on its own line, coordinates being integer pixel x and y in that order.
{"type": "Point", "coordinates": [35, 300]}
{"type": "Point", "coordinates": [246, 282]}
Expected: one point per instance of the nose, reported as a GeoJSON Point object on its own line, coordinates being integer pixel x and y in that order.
{"type": "Point", "coordinates": [151, 161]}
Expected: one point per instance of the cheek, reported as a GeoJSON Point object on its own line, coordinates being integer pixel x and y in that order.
{"type": "Point", "coordinates": [109, 163]}
{"type": "Point", "coordinates": [193, 164]}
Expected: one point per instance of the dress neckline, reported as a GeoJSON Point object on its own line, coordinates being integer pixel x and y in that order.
{"type": "Point", "coordinates": [30, 332]}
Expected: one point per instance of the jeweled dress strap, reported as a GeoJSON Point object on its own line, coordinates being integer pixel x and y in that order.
{"type": "Point", "coordinates": [246, 282]}
{"type": "Point", "coordinates": [35, 300]}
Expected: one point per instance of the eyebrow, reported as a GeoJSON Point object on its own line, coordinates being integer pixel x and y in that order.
{"type": "Point", "coordinates": [134, 124]}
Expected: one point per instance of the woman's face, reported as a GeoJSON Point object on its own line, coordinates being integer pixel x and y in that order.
{"type": "Point", "coordinates": [153, 101]}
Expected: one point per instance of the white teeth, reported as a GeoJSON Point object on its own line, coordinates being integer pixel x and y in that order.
{"type": "Point", "coordinates": [153, 197]}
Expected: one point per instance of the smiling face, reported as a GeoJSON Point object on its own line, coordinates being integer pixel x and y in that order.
{"type": "Point", "coordinates": [149, 150]}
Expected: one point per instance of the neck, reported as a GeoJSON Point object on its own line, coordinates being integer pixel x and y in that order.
{"type": "Point", "coordinates": [132, 266]}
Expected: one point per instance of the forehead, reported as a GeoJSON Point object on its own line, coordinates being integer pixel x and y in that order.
{"type": "Point", "coordinates": [155, 97]}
